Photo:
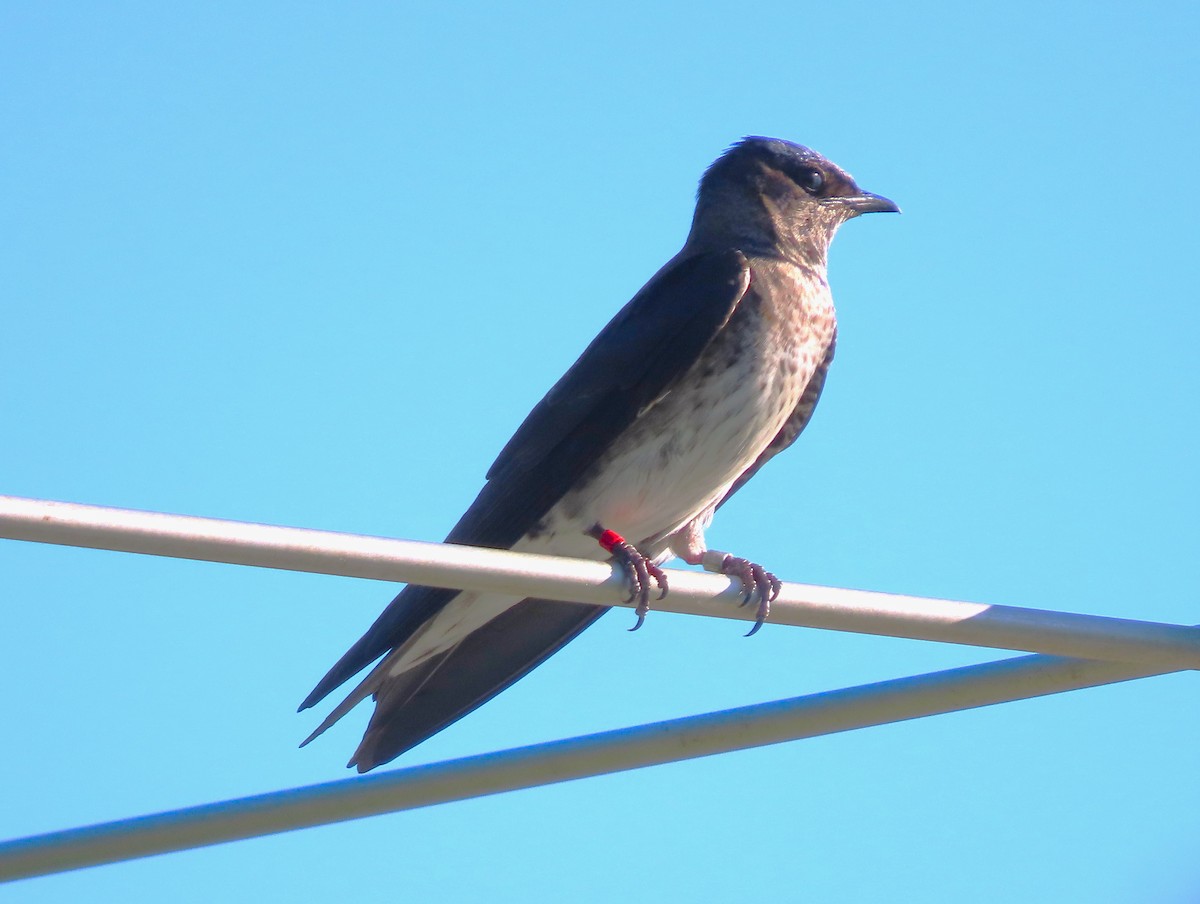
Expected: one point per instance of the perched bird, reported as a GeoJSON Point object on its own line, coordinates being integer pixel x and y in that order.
{"type": "Point", "coordinates": [711, 369]}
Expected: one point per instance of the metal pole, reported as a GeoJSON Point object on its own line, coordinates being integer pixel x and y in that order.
{"type": "Point", "coordinates": [470, 568]}
{"type": "Point", "coordinates": [543, 764]}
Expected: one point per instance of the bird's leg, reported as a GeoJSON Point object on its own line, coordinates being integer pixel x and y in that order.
{"type": "Point", "coordinates": [637, 568]}
{"type": "Point", "coordinates": [689, 545]}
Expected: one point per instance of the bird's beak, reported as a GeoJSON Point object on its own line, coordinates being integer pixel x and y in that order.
{"type": "Point", "coordinates": [866, 202]}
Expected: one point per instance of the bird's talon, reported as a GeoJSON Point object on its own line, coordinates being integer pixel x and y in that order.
{"type": "Point", "coordinates": [756, 582]}
{"type": "Point", "coordinates": [637, 567]}
{"type": "Point", "coordinates": [764, 609]}
{"type": "Point", "coordinates": [640, 612]}
{"type": "Point", "coordinates": [660, 578]}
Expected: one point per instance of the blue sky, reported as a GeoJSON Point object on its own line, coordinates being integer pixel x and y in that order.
{"type": "Point", "coordinates": [311, 265]}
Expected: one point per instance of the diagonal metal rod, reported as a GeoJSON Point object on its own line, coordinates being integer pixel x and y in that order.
{"type": "Point", "coordinates": [544, 764]}
{"type": "Point", "coordinates": [441, 565]}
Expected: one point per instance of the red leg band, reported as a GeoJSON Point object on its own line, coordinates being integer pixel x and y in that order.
{"type": "Point", "coordinates": [609, 539]}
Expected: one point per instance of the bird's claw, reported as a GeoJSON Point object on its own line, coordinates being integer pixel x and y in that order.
{"type": "Point", "coordinates": [756, 581]}
{"type": "Point", "coordinates": [638, 569]}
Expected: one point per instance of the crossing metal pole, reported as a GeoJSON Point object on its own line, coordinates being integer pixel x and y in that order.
{"type": "Point", "coordinates": [557, 761]}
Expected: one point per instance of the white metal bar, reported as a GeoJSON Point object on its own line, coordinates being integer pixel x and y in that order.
{"type": "Point", "coordinates": [543, 764]}
{"type": "Point", "coordinates": [440, 565]}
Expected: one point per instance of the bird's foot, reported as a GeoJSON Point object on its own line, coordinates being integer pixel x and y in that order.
{"type": "Point", "coordinates": [756, 582]}
{"type": "Point", "coordinates": [637, 567]}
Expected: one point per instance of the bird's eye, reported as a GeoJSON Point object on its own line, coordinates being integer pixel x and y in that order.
{"type": "Point", "coordinates": [811, 180]}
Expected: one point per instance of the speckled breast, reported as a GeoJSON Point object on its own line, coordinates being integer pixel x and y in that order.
{"type": "Point", "coordinates": [685, 450]}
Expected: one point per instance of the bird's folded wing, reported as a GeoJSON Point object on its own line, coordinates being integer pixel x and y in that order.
{"type": "Point", "coordinates": [651, 342]}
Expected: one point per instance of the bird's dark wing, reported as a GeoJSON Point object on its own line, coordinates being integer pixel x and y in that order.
{"type": "Point", "coordinates": [634, 360]}
{"type": "Point", "coordinates": [651, 342]}
{"type": "Point", "coordinates": [793, 426]}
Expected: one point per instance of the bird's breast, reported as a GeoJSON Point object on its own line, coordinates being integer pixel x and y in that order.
{"type": "Point", "coordinates": [683, 452]}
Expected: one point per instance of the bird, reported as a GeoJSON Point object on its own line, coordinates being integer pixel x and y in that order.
{"type": "Point", "coordinates": [714, 367]}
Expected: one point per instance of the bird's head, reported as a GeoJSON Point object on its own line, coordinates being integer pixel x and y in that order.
{"type": "Point", "coordinates": [783, 194]}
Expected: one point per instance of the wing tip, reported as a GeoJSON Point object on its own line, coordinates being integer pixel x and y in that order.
{"type": "Point", "coordinates": [312, 737]}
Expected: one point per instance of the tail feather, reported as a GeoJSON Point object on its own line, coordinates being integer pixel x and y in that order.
{"type": "Point", "coordinates": [367, 687]}
{"type": "Point", "coordinates": [403, 617]}
{"type": "Point", "coordinates": [382, 685]}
